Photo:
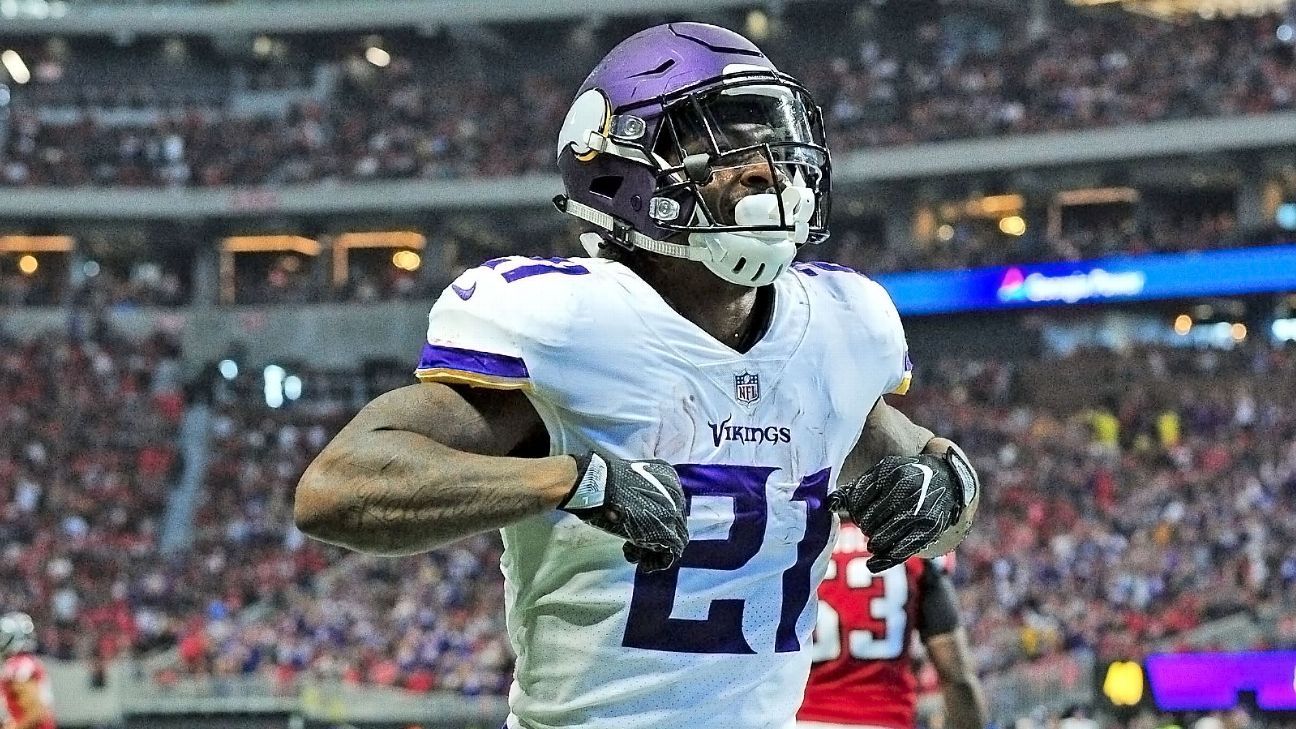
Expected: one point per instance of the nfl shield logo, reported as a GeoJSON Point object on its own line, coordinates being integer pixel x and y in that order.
{"type": "Point", "coordinates": [747, 388]}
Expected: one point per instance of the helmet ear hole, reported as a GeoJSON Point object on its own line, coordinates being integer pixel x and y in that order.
{"type": "Point", "coordinates": [606, 185]}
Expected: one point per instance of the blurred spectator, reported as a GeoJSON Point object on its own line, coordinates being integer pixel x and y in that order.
{"type": "Point", "coordinates": [412, 119]}
{"type": "Point", "coordinates": [1121, 510]}
{"type": "Point", "coordinates": [1116, 527]}
{"type": "Point", "coordinates": [87, 454]}
{"type": "Point", "coordinates": [1109, 524]}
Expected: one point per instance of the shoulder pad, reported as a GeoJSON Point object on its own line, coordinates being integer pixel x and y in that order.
{"type": "Point", "coordinates": [484, 323]}
{"type": "Point", "coordinates": [870, 312]}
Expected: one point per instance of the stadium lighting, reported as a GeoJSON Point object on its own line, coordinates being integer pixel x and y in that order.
{"type": "Point", "coordinates": [1183, 324]}
{"type": "Point", "coordinates": [292, 387]}
{"type": "Point", "coordinates": [28, 264]}
{"type": "Point", "coordinates": [1014, 225]}
{"type": "Point", "coordinates": [406, 260]}
{"type": "Point", "coordinates": [392, 239]}
{"type": "Point", "coordinates": [993, 206]}
{"type": "Point", "coordinates": [378, 57]}
{"type": "Point", "coordinates": [1204, 8]}
{"type": "Point", "coordinates": [175, 49]}
{"type": "Point", "coordinates": [1238, 331]}
{"type": "Point", "coordinates": [228, 369]}
{"type": "Point", "coordinates": [14, 64]}
{"type": "Point", "coordinates": [274, 385]}
{"type": "Point", "coordinates": [945, 232]}
{"type": "Point", "coordinates": [1286, 216]}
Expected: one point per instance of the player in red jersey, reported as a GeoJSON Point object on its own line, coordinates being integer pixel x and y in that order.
{"type": "Point", "coordinates": [27, 692]}
{"type": "Point", "coordinates": [863, 674]}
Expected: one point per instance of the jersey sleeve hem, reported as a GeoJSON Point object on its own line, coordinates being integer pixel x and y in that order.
{"type": "Point", "coordinates": [455, 365]}
{"type": "Point", "coordinates": [903, 387]}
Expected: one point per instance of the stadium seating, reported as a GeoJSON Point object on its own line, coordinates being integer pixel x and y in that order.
{"type": "Point", "coordinates": [1115, 516]}
{"type": "Point", "coordinates": [414, 120]}
{"type": "Point", "coordinates": [87, 455]}
{"type": "Point", "coordinates": [1108, 528]}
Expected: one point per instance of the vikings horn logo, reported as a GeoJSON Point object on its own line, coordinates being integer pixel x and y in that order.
{"type": "Point", "coordinates": [747, 388]}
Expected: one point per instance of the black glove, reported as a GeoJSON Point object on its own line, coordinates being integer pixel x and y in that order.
{"type": "Point", "coordinates": [640, 501]}
{"type": "Point", "coordinates": [911, 505]}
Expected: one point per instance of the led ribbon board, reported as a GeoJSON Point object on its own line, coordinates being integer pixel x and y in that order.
{"type": "Point", "coordinates": [1102, 280]}
{"type": "Point", "coordinates": [1213, 681]}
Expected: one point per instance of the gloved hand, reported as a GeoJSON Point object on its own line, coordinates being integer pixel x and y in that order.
{"type": "Point", "coordinates": [640, 501]}
{"type": "Point", "coordinates": [909, 505]}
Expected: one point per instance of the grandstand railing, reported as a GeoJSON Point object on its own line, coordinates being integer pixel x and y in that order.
{"type": "Point", "coordinates": [129, 690]}
{"type": "Point", "coordinates": [1052, 683]}
{"type": "Point", "coordinates": [1056, 682]}
{"type": "Point", "coordinates": [1145, 141]}
{"type": "Point", "coordinates": [318, 336]}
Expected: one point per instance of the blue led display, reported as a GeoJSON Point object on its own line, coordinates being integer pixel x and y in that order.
{"type": "Point", "coordinates": [1103, 280]}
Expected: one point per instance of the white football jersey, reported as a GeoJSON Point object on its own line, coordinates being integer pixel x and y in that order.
{"type": "Point", "coordinates": [758, 439]}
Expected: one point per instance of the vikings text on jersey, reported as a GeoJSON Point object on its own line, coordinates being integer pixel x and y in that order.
{"type": "Point", "coordinates": [758, 438]}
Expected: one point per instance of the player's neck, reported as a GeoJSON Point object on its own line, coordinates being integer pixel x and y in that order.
{"type": "Point", "coordinates": [728, 312]}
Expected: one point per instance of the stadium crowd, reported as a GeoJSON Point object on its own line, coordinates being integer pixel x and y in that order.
{"type": "Point", "coordinates": [427, 623]}
{"type": "Point", "coordinates": [1107, 527]}
{"type": "Point", "coordinates": [87, 458]}
{"type": "Point", "coordinates": [413, 120]}
{"type": "Point", "coordinates": [1111, 523]}
{"type": "Point", "coordinates": [1167, 500]}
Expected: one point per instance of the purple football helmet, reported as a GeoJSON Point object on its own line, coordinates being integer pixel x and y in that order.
{"type": "Point", "coordinates": [663, 111]}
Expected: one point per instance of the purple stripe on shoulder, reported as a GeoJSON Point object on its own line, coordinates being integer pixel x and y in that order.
{"type": "Point", "coordinates": [471, 360]}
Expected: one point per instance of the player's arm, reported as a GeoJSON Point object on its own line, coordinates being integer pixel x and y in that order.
{"type": "Point", "coordinates": [466, 451]}
{"type": "Point", "coordinates": [909, 491]}
{"type": "Point", "coordinates": [889, 432]}
{"type": "Point", "coordinates": [947, 647]}
{"type": "Point", "coordinates": [428, 464]}
{"type": "Point", "coordinates": [965, 703]}
{"type": "Point", "coordinates": [33, 708]}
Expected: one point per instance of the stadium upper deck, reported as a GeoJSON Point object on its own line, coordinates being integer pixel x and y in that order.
{"type": "Point", "coordinates": [179, 111]}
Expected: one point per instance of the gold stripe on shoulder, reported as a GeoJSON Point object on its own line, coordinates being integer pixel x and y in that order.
{"type": "Point", "coordinates": [474, 379]}
{"type": "Point", "coordinates": [903, 387]}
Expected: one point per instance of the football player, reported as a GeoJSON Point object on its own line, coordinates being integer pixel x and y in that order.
{"type": "Point", "coordinates": [656, 429]}
{"type": "Point", "coordinates": [27, 692]}
{"type": "Point", "coordinates": [862, 673]}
